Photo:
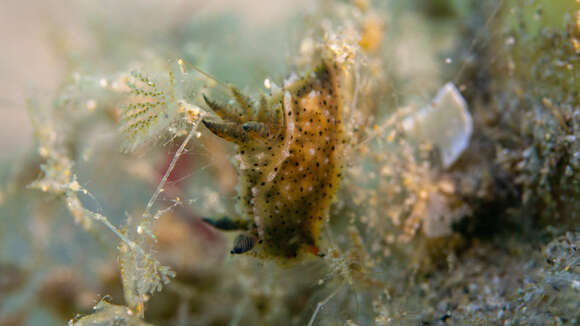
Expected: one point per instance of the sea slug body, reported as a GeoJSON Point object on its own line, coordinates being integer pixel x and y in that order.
{"type": "Point", "coordinates": [289, 153]}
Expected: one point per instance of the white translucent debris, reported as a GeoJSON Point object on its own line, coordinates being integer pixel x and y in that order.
{"type": "Point", "coordinates": [445, 123]}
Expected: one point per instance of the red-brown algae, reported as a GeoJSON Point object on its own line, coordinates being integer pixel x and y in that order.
{"type": "Point", "coordinates": [290, 161]}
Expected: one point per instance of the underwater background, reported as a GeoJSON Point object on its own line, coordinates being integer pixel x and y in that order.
{"type": "Point", "coordinates": [457, 200]}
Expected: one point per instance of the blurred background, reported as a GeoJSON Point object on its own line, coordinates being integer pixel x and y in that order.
{"type": "Point", "coordinates": [36, 34]}
{"type": "Point", "coordinates": [488, 236]}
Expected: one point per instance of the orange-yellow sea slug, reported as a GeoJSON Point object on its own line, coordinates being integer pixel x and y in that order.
{"type": "Point", "coordinates": [289, 155]}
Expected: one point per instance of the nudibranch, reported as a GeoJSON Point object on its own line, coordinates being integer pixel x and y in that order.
{"type": "Point", "coordinates": [289, 155]}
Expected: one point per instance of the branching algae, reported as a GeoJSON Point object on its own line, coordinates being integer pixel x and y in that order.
{"type": "Point", "coordinates": [289, 156]}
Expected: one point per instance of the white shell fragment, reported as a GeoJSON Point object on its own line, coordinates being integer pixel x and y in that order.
{"type": "Point", "coordinates": [445, 123]}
